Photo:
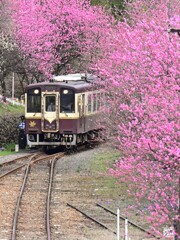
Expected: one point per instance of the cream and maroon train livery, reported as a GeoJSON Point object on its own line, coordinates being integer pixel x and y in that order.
{"type": "Point", "coordinates": [63, 111]}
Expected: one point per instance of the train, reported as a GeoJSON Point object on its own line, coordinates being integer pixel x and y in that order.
{"type": "Point", "coordinates": [64, 111]}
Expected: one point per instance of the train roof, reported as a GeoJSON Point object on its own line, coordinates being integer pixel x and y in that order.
{"type": "Point", "coordinates": [75, 77]}
{"type": "Point", "coordinates": [77, 81]}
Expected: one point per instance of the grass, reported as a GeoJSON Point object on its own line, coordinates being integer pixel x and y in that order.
{"type": "Point", "coordinates": [8, 107]}
{"type": "Point", "coordinates": [103, 161]}
{"type": "Point", "coordinates": [9, 149]}
{"type": "Point", "coordinates": [106, 185]}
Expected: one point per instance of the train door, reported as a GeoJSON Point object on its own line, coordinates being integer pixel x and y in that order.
{"type": "Point", "coordinates": [50, 112]}
{"type": "Point", "coordinates": [81, 107]}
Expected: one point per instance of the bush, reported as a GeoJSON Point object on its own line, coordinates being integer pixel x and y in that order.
{"type": "Point", "coordinates": [9, 128]}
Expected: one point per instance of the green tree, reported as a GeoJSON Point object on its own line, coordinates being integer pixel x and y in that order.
{"type": "Point", "coordinates": [116, 6]}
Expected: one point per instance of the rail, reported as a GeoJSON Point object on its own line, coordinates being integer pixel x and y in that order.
{"type": "Point", "coordinates": [91, 218]}
{"type": "Point", "coordinates": [132, 223]}
{"type": "Point", "coordinates": [33, 159]}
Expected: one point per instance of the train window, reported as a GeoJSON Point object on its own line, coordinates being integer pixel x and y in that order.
{"type": "Point", "coordinates": [102, 99]}
{"type": "Point", "coordinates": [98, 101]}
{"type": "Point", "coordinates": [50, 103]}
{"type": "Point", "coordinates": [89, 103]}
{"type": "Point", "coordinates": [94, 102]}
{"type": "Point", "coordinates": [67, 101]}
{"type": "Point", "coordinates": [34, 100]}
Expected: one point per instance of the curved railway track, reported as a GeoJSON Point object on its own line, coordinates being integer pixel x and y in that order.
{"type": "Point", "coordinates": [48, 227]}
{"type": "Point", "coordinates": [35, 192]}
{"type": "Point", "coordinates": [11, 166]}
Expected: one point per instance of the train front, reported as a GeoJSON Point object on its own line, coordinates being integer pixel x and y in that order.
{"type": "Point", "coordinates": [47, 106]}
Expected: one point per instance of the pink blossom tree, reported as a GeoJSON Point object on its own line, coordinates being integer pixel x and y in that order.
{"type": "Point", "coordinates": [58, 35]}
{"type": "Point", "coordinates": [142, 71]}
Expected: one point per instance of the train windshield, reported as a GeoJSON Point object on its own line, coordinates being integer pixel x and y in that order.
{"type": "Point", "coordinates": [34, 100]}
{"type": "Point", "coordinates": [50, 103]}
{"type": "Point", "coordinates": [67, 101]}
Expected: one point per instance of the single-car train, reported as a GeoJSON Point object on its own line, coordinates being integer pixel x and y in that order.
{"type": "Point", "coordinates": [63, 111]}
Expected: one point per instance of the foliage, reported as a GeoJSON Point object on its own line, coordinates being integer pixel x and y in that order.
{"type": "Point", "coordinates": [117, 7]}
{"type": "Point", "coordinates": [8, 149]}
{"type": "Point", "coordinates": [57, 35]}
{"type": "Point", "coordinates": [142, 66]}
{"type": "Point", "coordinates": [11, 59]}
{"type": "Point", "coordinates": [9, 128]}
{"type": "Point", "coordinates": [8, 107]}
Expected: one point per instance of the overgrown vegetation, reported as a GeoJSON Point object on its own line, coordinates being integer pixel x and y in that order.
{"type": "Point", "coordinates": [10, 108]}
{"type": "Point", "coordinates": [106, 185]}
{"type": "Point", "coordinates": [116, 7]}
{"type": "Point", "coordinates": [9, 121]}
{"type": "Point", "coordinates": [102, 162]}
{"type": "Point", "coordinates": [8, 149]}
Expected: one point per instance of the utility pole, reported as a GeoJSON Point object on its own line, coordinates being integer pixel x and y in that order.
{"type": "Point", "coordinates": [13, 89]}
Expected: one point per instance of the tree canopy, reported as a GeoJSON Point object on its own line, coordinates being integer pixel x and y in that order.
{"type": "Point", "coordinates": [141, 66]}
{"type": "Point", "coordinates": [59, 35]}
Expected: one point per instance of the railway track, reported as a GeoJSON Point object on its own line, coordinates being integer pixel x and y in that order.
{"type": "Point", "coordinates": [33, 202]}
{"type": "Point", "coordinates": [107, 219]}
{"type": "Point", "coordinates": [11, 166]}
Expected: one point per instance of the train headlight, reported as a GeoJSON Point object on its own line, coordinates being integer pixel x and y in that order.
{"type": "Point", "coordinates": [65, 91]}
{"type": "Point", "coordinates": [36, 91]}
